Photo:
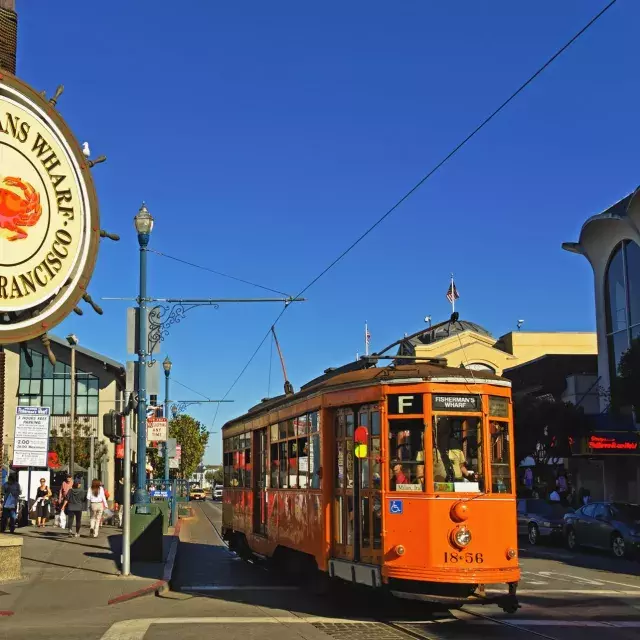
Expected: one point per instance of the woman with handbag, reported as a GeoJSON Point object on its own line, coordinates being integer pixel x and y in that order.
{"type": "Point", "coordinates": [43, 496]}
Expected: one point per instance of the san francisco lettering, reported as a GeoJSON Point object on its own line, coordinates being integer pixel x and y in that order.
{"type": "Point", "coordinates": [21, 285]}
{"type": "Point", "coordinates": [11, 125]}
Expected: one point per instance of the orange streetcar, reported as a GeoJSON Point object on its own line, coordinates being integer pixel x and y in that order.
{"type": "Point", "coordinates": [397, 477]}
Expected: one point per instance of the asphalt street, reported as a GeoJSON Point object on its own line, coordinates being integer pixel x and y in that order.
{"type": "Point", "coordinates": [564, 597]}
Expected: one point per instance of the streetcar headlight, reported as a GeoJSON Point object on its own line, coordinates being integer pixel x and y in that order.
{"type": "Point", "coordinates": [400, 549]}
{"type": "Point", "coordinates": [461, 537]}
{"type": "Point", "coordinates": [511, 554]}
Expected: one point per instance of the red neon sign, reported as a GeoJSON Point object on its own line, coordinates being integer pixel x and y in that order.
{"type": "Point", "coordinates": [596, 442]}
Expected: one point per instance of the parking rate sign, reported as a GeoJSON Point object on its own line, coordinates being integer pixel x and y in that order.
{"type": "Point", "coordinates": [31, 440]}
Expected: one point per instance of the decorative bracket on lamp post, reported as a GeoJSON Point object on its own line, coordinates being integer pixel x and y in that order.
{"type": "Point", "coordinates": [173, 310]}
{"type": "Point", "coordinates": [178, 406]}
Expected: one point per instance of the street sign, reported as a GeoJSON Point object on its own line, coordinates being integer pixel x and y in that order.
{"type": "Point", "coordinates": [31, 440]}
{"type": "Point", "coordinates": [156, 429]}
{"type": "Point", "coordinates": [174, 463]}
{"type": "Point", "coordinates": [172, 446]}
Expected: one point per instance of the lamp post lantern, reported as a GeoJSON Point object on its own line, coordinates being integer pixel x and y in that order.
{"type": "Point", "coordinates": [166, 365]}
{"type": "Point", "coordinates": [144, 225]}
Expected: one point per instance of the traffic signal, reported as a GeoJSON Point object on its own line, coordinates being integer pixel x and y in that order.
{"type": "Point", "coordinates": [111, 426]}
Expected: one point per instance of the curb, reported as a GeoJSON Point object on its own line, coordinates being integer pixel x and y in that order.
{"type": "Point", "coordinates": [159, 586]}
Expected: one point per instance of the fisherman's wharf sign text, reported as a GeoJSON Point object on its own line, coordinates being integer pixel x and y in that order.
{"type": "Point", "coordinates": [48, 215]}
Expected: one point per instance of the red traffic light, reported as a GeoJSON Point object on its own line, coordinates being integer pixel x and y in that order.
{"type": "Point", "coordinates": [361, 435]}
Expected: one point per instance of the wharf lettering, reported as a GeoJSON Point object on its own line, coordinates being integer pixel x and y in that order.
{"type": "Point", "coordinates": [22, 285]}
{"type": "Point", "coordinates": [11, 125]}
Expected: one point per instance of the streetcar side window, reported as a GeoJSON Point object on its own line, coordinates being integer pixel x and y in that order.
{"type": "Point", "coordinates": [457, 454]}
{"type": "Point", "coordinates": [406, 450]}
{"type": "Point", "coordinates": [315, 461]}
{"type": "Point", "coordinates": [247, 461]}
{"type": "Point", "coordinates": [315, 454]}
{"type": "Point", "coordinates": [295, 453]}
{"type": "Point", "coordinates": [284, 466]}
{"type": "Point", "coordinates": [500, 457]}
{"type": "Point", "coordinates": [293, 464]}
{"type": "Point", "coordinates": [275, 465]}
{"type": "Point", "coordinates": [303, 462]}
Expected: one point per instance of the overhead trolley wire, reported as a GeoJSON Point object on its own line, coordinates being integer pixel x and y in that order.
{"type": "Point", "coordinates": [419, 184]}
{"type": "Point", "coordinates": [218, 273]}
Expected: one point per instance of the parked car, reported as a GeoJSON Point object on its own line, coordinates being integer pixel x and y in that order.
{"type": "Point", "coordinates": [605, 525]}
{"type": "Point", "coordinates": [539, 519]}
{"type": "Point", "coordinates": [196, 493]}
{"type": "Point", "coordinates": [217, 493]}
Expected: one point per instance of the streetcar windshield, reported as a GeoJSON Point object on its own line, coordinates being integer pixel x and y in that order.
{"type": "Point", "coordinates": [457, 454]}
{"type": "Point", "coordinates": [406, 438]}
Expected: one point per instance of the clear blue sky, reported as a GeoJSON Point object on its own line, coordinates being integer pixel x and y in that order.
{"type": "Point", "coordinates": [266, 136]}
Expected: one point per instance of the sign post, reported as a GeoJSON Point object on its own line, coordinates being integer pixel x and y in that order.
{"type": "Point", "coordinates": [31, 441]}
{"type": "Point", "coordinates": [31, 437]}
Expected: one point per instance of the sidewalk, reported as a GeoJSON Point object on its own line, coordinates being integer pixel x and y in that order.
{"type": "Point", "coordinates": [58, 570]}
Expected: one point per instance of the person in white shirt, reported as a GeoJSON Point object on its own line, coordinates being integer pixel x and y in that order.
{"type": "Point", "coordinates": [97, 505]}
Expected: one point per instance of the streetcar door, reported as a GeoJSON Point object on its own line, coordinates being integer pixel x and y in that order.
{"type": "Point", "coordinates": [344, 514]}
{"type": "Point", "coordinates": [260, 482]}
{"type": "Point", "coordinates": [369, 488]}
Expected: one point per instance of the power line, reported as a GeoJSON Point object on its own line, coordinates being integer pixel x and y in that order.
{"type": "Point", "coordinates": [417, 186]}
{"type": "Point", "coordinates": [218, 273]}
{"type": "Point", "coordinates": [190, 389]}
{"type": "Point", "coordinates": [270, 363]}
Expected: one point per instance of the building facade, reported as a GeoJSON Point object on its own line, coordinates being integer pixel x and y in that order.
{"type": "Point", "coordinates": [29, 379]}
{"type": "Point", "coordinates": [610, 241]}
{"type": "Point", "coordinates": [466, 344]}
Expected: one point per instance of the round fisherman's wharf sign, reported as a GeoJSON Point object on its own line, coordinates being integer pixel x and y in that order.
{"type": "Point", "coordinates": [49, 228]}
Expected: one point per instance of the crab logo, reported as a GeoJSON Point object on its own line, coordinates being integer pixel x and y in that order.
{"type": "Point", "coordinates": [18, 210]}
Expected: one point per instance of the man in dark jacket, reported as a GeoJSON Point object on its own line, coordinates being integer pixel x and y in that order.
{"type": "Point", "coordinates": [11, 491]}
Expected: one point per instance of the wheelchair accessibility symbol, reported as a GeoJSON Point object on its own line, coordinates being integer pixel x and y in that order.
{"type": "Point", "coordinates": [396, 507]}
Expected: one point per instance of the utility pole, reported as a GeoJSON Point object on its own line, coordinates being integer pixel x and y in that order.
{"type": "Point", "coordinates": [8, 35]}
{"type": "Point", "coordinates": [73, 343]}
{"type": "Point", "coordinates": [126, 502]}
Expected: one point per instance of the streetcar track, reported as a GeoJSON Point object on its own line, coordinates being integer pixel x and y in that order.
{"type": "Point", "coordinates": [401, 626]}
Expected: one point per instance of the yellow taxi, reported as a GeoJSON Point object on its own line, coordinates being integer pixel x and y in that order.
{"type": "Point", "coordinates": [196, 493]}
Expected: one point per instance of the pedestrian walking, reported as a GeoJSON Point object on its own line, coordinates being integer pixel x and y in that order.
{"type": "Point", "coordinates": [74, 503]}
{"type": "Point", "coordinates": [119, 502]}
{"type": "Point", "coordinates": [42, 504]}
{"type": "Point", "coordinates": [66, 485]}
{"type": "Point", "coordinates": [11, 490]}
{"type": "Point", "coordinates": [97, 505]}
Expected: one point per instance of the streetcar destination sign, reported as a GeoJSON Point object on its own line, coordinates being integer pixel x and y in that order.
{"type": "Point", "coordinates": [31, 438]}
{"type": "Point", "coordinates": [455, 403]}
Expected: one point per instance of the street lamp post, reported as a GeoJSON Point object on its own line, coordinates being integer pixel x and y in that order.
{"type": "Point", "coordinates": [167, 372]}
{"type": "Point", "coordinates": [144, 224]}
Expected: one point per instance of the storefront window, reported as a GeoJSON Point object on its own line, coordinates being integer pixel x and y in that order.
{"type": "Point", "coordinates": [622, 291]}
{"type": "Point", "coordinates": [46, 385]}
{"type": "Point", "coordinates": [457, 454]}
{"type": "Point", "coordinates": [406, 451]}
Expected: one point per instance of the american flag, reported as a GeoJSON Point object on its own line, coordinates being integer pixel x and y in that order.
{"type": "Point", "coordinates": [452, 293]}
{"type": "Point", "coordinates": [367, 336]}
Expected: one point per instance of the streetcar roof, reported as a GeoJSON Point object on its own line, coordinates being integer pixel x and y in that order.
{"type": "Point", "coordinates": [352, 377]}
